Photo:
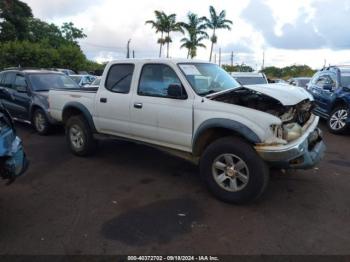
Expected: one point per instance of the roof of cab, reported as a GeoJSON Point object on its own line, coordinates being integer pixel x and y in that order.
{"type": "Point", "coordinates": [156, 60]}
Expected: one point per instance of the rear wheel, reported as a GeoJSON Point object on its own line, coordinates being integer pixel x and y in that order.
{"type": "Point", "coordinates": [233, 171]}
{"type": "Point", "coordinates": [40, 122]}
{"type": "Point", "coordinates": [337, 122]}
{"type": "Point", "coordinates": [79, 136]}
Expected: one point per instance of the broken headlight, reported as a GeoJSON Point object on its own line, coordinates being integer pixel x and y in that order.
{"type": "Point", "coordinates": [277, 131]}
{"type": "Point", "coordinates": [292, 131]}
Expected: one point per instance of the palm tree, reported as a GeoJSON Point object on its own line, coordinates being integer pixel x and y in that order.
{"type": "Point", "coordinates": [160, 26]}
{"type": "Point", "coordinates": [216, 22]}
{"type": "Point", "coordinates": [170, 26]}
{"type": "Point", "coordinates": [196, 33]}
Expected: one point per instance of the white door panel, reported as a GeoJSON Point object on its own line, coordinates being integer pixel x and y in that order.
{"type": "Point", "coordinates": [163, 120]}
{"type": "Point", "coordinates": [113, 116]}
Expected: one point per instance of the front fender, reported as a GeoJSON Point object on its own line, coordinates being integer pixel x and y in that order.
{"type": "Point", "coordinates": [228, 124]}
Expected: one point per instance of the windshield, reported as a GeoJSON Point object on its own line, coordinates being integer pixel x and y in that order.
{"type": "Point", "coordinates": [250, 80]}
{"type": "Point", "coordinates": [345, 80]}
{"type": "Point", "coordinates": [96, 82]}
{"type": "Point", "coordinates": [303, 82]}
{"type": "Point", "coordinates": [76, 79]}
{"type": "Point", "coordinates": [207, 78]}
{"type": "Point", "coordinates": [45, 82]}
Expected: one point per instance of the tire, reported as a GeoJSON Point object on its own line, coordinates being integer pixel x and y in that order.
{"type": "Point", "coordinates": [250, 166]}
{"type": "Point", "coordinates": [40, 122]}
{"type": "Point", "coordinates": [79, 136]}
{"type": "Point", "coordinates": [336, 122]}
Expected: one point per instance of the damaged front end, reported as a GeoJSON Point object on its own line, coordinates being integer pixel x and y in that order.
{"type": "Point", "coordinates": [13, 162]}
{"type": "Point", "coordinates": [296, 142]}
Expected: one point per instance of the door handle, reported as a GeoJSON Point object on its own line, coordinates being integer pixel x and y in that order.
{"type": "Point", "coordinates": [138, 105]}
{"type": "Point", "coordinates": [103, 100]}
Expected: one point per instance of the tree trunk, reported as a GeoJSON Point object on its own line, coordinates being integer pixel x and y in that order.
{"type": "Point", "coordinates": [167, 46]}
{"type": "Point", "coordinates": [188, 53]}
{"type": "Point", "coordinates": [212, 46]}
{"type": "Point", "coordinates": [161, 45]}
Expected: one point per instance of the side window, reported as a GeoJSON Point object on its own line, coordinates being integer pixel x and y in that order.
{"type": "Point", "coordinates": [320, 81]}
{"type": "Point", "coordinates": [119, 78]}
{"type": "Point", "coordinates": [20, 81]}
{"type": "Point", "coordinates": [314, 79]}
{"type": "Point", "coordinates": [9, 79]}
{"type": "Point", "coordinates": [1, 76]}
{"type": "Point", "coordinates": [155, 80]}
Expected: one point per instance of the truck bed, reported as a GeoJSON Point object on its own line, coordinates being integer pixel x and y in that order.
{"type": "Point", "coordinates": [59, 98]}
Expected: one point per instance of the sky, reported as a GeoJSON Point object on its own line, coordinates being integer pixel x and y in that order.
{"type": "Point", "coordinates": [312, 32]}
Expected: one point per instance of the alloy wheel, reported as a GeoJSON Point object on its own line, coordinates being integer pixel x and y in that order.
{"type": "Point", "coordinates": [230, 172]}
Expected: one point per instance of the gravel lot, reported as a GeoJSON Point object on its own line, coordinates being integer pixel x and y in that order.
{"type": "Point", "coordinates": [132, 199]}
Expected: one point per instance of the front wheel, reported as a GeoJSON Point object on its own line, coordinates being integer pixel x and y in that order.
{"type": "Point", "coordinates": [233, 171]}
{"type": "Point", "coordinates": [79, 136]}
{"type": "Point", "coordinates": [40, 122]}
{"type": "Point", "coordinates": [337, 122]}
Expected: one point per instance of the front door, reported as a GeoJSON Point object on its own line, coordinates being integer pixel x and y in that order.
{"type": "Point", "coordinates": [22, 97]}
{"type": "Point", "coordinates": [157, 117]}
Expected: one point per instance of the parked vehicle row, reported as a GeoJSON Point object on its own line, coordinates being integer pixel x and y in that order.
{"type": "Point", "coordinates": [24, 93]}
{"type": "Point", "coordinates": [198, 111]}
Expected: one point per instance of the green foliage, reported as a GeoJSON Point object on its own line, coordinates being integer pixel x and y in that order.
{"type": "Point", "coordinates": [195, 29]}
{"type": "Point", "coordinates": [238, 68]}
{"type": "Point", "coordinates": [31, 42]}
{"type": "Point", "coordinates": [14, 15]}
{"type": "Point", "coordinates": [216, 21]}
{"type": "Point", "coordinates": [71, 33]}
{"type": "Point", "coordinates": [289, 71]}
{"type": "Point", "coordinates": [165, 24]}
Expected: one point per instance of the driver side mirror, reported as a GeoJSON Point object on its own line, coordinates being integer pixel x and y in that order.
{"type": "Point", "coordinates": [21, 89]}
{"type": "Point", "coordinates": [176, 91]}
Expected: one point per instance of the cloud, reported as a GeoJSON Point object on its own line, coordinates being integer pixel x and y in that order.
{"type": "Point", "coordinates": [240, 47]}
{"type": "Point", "coordinates": [49, 9]}
{"type": "Point", "coordinates": [323, 28]}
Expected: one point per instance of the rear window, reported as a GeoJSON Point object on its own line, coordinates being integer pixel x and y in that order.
{"type": "Point", "coordinates": [45, 82]}
{"type": "Point", "coordinates": [248, 80]}
{"type": "Point", "coordinates": [119, 78]}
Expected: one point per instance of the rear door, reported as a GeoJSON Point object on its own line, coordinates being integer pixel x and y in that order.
{"type": "Point", "coordinates": [112, 102]}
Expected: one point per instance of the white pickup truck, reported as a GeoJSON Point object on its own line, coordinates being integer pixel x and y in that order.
{"type": "Point", "coordinates": [198, 111]}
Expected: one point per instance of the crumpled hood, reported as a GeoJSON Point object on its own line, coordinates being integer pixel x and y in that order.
{"type": "Point", "coordinates": [288, 95]}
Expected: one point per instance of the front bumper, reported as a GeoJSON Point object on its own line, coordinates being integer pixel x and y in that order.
{"type": "Point", "coordinates": [303, 153]}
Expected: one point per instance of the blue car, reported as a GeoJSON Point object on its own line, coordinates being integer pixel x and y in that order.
{"type": "Point", "coordinates": [330, 88]}
{"type": "Point", "coordinates": [13, 161]}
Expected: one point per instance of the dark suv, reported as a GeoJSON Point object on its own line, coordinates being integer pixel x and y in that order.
{"type": "Point", "coordinates": [331, 90]}
{"type": "Point", "coordinates": [24, 93]}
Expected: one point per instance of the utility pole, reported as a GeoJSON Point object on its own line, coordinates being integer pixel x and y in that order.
{"type": "Point", "coordinates": [263, 61]}
{"type": "Point", "coordinates": [128, 49]}
{"type": "Point", "coordinates": [219, 56]}
{"type": "Point", "coordinates": [133, 53]}
{"type": "Point", "coordinates": [232, 58]}
{"type": "Point", "coordinates": [215, 58]}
